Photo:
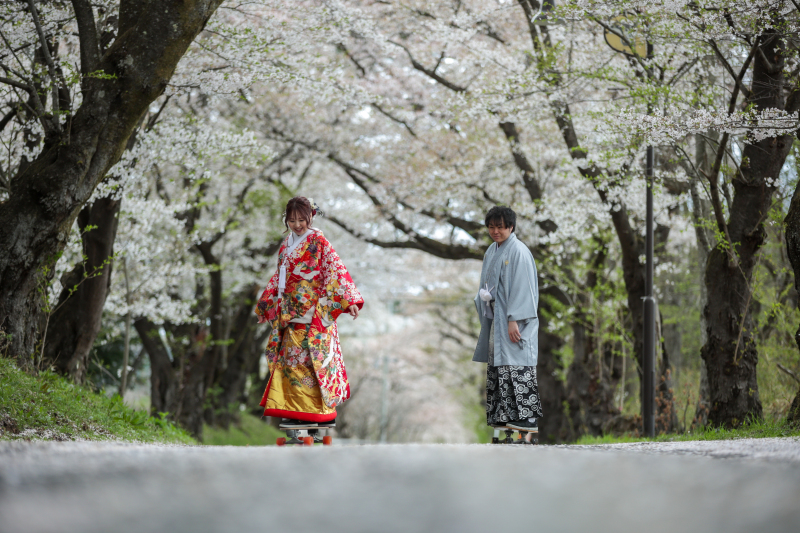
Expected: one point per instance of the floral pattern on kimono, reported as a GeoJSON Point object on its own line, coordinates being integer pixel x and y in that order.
{"type": "Point", "coordinates": [318, 290]}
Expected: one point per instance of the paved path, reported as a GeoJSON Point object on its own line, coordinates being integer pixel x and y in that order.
{"type": "Point", "coordinates": [731, 486]}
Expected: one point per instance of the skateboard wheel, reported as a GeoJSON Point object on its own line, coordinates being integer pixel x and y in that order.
{"type": "Point", "coordinates": [495, 440]}
{"type": "Point", "coordinates": [308, 441]}
{"type": "Point", "coordinates": [281, 441]}
{"type": "Point", "coordinates": [327, 440]}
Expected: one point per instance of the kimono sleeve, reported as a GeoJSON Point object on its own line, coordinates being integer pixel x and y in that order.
{"type": "Point", "coordinates": [267, 306]}
{"type": "Point", "coordinates": [338, 289]}
{"type": "Point", "coordinates": [521, 286]}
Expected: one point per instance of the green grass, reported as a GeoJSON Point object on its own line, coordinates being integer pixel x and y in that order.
{"type": "Point", "coordinates": [758, 429]}
{"type": "Point", "coordinates": [50, 407]}
{"type": "Point", "coordinates": [253, 432]}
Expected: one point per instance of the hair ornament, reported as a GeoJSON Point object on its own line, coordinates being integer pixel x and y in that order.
{"type": "Point", "coordinates": [315, 210]}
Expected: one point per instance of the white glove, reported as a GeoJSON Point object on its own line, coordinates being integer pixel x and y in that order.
{"type": "Point", "coordinates": [486, 294]}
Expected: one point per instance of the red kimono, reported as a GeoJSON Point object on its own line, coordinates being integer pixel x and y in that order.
{"type": "Point", "coordinates": [307, 375]}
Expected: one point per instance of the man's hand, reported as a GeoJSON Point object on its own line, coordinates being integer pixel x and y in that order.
{"type": "Point", "coordinates": [353, 310]}
{"type": "Point", "coordinates": [513, 331]}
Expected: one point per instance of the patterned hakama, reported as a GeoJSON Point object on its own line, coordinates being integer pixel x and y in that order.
{"type": "Point", "coordinates": [512, 392]}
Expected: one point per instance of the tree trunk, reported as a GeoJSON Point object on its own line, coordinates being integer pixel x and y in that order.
{"type": "Point", "coordinates": [701, 215]}
{"type": "Point", "coordinates": [666, 414]}
{"type": "Point", "coordinates": [554, 425]}
{"type": "Point", "coordinates": [123, 382]}
{"type": "Point", "coordinates": [793, 418]}
{"type": "Point", "coordinates": [76, 321]}
{"type": "Point", "coordinates": [730, 353]}
{"type": "Point", "coordinates": [792, 228]}
{"type": "Point", "coordinates": [591, 383]}
{"type": "Point", "coordinates": [198, 373]}
{"type": "Point", "coordinates": [163, 378]}
{"type": "Point", "coordinates": [198, 384]}
{"type": "Point", "coordinates": [46, 198]}
{"type": "Point", "coordinates": [178, 386]}
{"type": "Point", "coordinates": [242, 361]}
{"type": "Point", "coordinates": [633, 270]}
{"type": "Point", "coordinates": [212, 361]}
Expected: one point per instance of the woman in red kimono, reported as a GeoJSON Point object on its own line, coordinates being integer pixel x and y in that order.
{"type": "Point", "coordinates": [302, 301]}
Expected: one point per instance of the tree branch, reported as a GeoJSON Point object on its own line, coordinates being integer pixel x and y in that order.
{"type": "Point", "coordinates": [486, 196]}
{"type": "Point", "coordinates": [474, 229]}
{"type": "Point", "coordinates": [528, 9]}
{"type": "Point", "coordinates": [430, 73]}
{"type": "Point", "coordinates": [424, 244]}
{"type": "Point", "coordinates": [18, 85]}
{"type": "Point", "coordinates": [528, 175]}
{"type": "Point", "coordinates": [18, 74]}
{"type": "Point", "coordinates": [87, 33]}
{"type": "Point", "coordinates": [342, 48]}
{"type": "Point", "coordinates": [635, 58]}
{"type": "Point", "coordinates": [50, 65]}
{"type": "Point", "coordinates": [267, 251]}
{"type": "Point", "coordinates": [350, 168]}
{"type": "Point", "coordinates": [34, 95]}
{"type": "Point", "coordinates": [420, 242]}
{"type": "Point", "coordinates": [683, 69]}
{"type": "Point", "coordinates": [772, 68]}
{"type": "Point", "coordinates": [786, 370]}
{"type": "Point", "coordinates": [360, 177]}
{"type": "Point", "coordinates": [6, 119]}
{"type": "Point", "coordinates": [454, 325]}
{"type": "Point", "coordinates": [716, 203]}
{"type": "Point", "coordinates": [151, 122]}
{"type": "Point", "coordinates": [746, 65]}
{"type": "Point", "coordinates": [713, 177]}
{"type": "Point", "coordinates": [469, 226]}
{"type": "Point", "coordinates": [703, 241]}
{"type": "Point", "coordinates": [394, 119]}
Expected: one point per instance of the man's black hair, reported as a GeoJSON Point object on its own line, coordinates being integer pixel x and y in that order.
{"type": "Point", "coordinates": [504, 214]}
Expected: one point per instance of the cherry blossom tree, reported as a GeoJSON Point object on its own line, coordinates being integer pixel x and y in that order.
{"type": "Point", "coordinates": [77, 117]}
{"type": "Point", "coordinates": [408, 120]}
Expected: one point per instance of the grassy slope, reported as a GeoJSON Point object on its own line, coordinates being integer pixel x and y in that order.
{"type": "Point", "coordinates": [754, 430]}
{"type": "Point", "coordinates": [253, 432]}
{"type": "Point", "coordinates": [50, 407]}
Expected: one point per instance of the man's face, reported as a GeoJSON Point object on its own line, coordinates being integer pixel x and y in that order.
{"type": "Point", "coordinates": [498, 231]}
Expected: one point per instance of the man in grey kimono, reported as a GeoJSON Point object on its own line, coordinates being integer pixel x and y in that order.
{"type": "Point", "coordinates": [507, 304]}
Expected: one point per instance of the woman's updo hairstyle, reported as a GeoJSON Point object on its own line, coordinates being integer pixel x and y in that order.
{"type": "Point", "coordinates": [299, 206]}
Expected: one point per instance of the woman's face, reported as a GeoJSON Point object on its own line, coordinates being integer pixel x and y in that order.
{"type": "Point", "coordinates": [297, 224]}
{"type": "Point", "coordinates": [498, 231]}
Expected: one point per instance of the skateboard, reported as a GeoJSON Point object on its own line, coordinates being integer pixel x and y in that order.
{"type": "Point", "coordinates": [525, 437]}
{"type": "Point", "coordinates": [306, 436]}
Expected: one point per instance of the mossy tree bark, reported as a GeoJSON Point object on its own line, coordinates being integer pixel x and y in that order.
{"type": "Point", "coordinates": [730, 353]}
{"type": "Point", "coordinates": [47, 195]}
{"type": "Point", "coordinates": [792, 228]}
{"type": "Point", "coordinates": [76, 318]}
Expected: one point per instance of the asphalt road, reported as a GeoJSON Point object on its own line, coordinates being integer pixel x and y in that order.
{"type": "Point", "coordinates": [747, 486]}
